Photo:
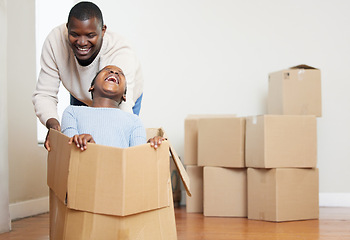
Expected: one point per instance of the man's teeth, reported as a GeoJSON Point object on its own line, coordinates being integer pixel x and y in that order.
{"type": "Point", "coordinates": [83, 49]}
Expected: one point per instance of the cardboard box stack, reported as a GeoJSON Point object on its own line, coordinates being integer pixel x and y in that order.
{"type": "Point", "coordinates": [281, 149]}
{"type": "Point", "coordinates": [261, 167]}
{"type": "Point", "coordinates": [214, 157]}
{"type": "Point", "coordinates": [111, 193]}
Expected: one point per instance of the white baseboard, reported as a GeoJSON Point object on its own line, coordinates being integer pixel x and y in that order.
{"type": "Point", "coordinates": [29, 208]}
{"type": "Point", "coordinates": [334, 200]}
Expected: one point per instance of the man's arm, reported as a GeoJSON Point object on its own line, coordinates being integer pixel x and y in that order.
{"type": "Point", "coordinates": [45, 95]}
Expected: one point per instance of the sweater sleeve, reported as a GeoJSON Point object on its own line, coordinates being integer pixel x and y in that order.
{"type": "Point", "coordinates": [45, 95]}
{"type": "Point", "coordinates": [138, 135]}
{"type": "Point", "coordinates": [69, 125]}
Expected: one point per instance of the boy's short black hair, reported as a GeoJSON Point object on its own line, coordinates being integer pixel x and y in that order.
{"type": "Point", "coordinates": [84, 11]}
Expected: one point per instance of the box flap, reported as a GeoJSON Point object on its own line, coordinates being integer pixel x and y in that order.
{"type": "Point", "coordinates": [302, 66]}
{"type": "Point", "coordinates": [58, 164]}
{"type": "Point", "coordinates": [183, 174]}
{"type": "Point", "coordinates": [151, 132]}
{"type": "Point", "coordinates": [109, 180]}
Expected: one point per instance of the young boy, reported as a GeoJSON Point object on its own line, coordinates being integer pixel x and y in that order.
{"type": "Point", "coordinates": [104, 123]}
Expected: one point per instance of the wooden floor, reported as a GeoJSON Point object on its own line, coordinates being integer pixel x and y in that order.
{"type": "Point", "coordinates": [334, 224]}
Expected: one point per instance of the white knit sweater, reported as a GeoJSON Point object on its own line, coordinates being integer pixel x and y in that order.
{"type": "Point", "coordinates": [58, 64]}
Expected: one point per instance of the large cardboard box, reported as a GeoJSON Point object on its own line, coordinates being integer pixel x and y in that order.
{"type": "Point", "coordinates": [225, 192]}
{"type": "Point", "coordinates": [194, 204]}
{"type": "Point", "coordinates": [109, 193]}
{"type": "Point", "coordinates": [221, 141]}
{"type": "Point", "coordinates": [191, 136]}
{"type": "Point", "coordinates": [295, 91]}
{"type": "Point", "coordinates": [274, 141]}
{"type": "Point", "coordinates": [283, 194]}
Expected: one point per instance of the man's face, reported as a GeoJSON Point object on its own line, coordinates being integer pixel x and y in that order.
{"type": "Point", "coordinates": [111, 83]}
{"type": "Point", "coordinates": [85, 38]}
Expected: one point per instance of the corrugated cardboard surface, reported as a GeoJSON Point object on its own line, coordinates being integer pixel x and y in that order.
{"type": "Point", "coordinates": [69, 224]}
{"type": "Point", "coordinates": [221, 142]}
{"type": "Point", "coordinates": [109, 180]}
{"type": "Point", "coordinates": [295, 91]}
{"type": "Point", "coordinates": [274, 141]}
{"type": "Point", "coordinates": [191, 136]}
{"type": "Point", "coordinates": [225, 192]}
{"type": "Point", "coordinates": [194, 204]}
{"type": "Point", "coordinates": [283, 194]}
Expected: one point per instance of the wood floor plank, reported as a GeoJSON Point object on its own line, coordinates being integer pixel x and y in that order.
{"type": "Point", "coordinates": [334, 224]}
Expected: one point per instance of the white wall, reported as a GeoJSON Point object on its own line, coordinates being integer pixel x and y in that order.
{"type": "Point", "coordinates": [5, 223]}
{"type": "Point", "coordinates": [28, 190]}
{"type": "Point", "coordinates": [198, 57]}
{"type": "Point", "coordinates": [205, 56]}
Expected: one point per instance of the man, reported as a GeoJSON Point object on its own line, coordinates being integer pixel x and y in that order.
{"type": "Point", "coordinates": [72, 54]}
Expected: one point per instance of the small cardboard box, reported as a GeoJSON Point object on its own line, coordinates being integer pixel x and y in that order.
{"type": "Point", "coordinates": [109, 193]}
{"type": "Point", "coordinates": [225, 192]}
{"type": "Point", "coordinates": [191, 137]}
{"type": "Point", "coordinates": [295, 91]}
{"type": "Point", "coordinates": [275, 141]}
{"type": "Point", "coordinates": [194, 204]}
{"type": "Point", "coordinates": [283, 194]}
{"type": "Point", "coordinates": [221, 141]}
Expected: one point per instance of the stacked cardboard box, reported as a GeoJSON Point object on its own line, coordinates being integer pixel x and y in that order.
{"type": "Point", "coordinates": [281, 149]}
{"type": "Point", "coordinates": [263, 167]}
{"type": "Point", "coordinates": [111, 193]}
{"type": "Point", "coordinates": [214, 156]}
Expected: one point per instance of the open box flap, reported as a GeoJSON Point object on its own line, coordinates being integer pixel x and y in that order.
{"type": "Point", "coordinates": [58, 164]}
{"type": "Point", "coordinates": [303, 66]}
{"type": "Point", "coordinates": [183, 174]}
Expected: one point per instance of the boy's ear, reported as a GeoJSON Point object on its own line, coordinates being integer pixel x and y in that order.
{"type": "Point", "coordinates": [91, 88]}
{"type": "Point", "coordinates": [124, 98]}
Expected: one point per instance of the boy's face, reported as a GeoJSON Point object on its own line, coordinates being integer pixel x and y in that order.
{"type": "Point", "coordinates": [110, 82]}
{"type": "Point", "coordinates": [85, 38]}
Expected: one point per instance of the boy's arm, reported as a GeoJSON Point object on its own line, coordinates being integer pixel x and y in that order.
{"type": "Point", "coordinates": [138, 134]}
{"type": "Point", "coordinates": [70, 128]}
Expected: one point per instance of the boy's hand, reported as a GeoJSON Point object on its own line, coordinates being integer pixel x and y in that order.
{"type": "Point", "coordinates": [54, 124]}
{"type": "Point", "coordinates": [156, 141]}
{"type": "Point", "coordinates": [81, 140]}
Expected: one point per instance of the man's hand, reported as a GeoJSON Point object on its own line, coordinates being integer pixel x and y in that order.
{"type": "Point", "coordinates": [156, 141]}
{"type": "Point", "coordinates": [54, 124]}
{"type": "Point", "coordinates": [81, 140]}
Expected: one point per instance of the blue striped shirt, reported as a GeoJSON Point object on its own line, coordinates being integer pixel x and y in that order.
{"type": "Point", "coordinates": [108, 126]}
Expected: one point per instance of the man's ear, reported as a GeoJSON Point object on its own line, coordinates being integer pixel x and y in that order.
{"type": "Point", "coordinates": [124, 98]}
{"type": "Point", "coordinates": [104, 28]}
{"type": "Point", "coordinates": [92, 88]}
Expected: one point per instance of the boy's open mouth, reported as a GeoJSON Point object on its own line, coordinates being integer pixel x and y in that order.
{"type": "Point", "coordinates": [112, 78]}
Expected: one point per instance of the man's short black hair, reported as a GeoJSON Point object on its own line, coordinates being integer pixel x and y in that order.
{"type": "Point", "coordinates": [84, 11]}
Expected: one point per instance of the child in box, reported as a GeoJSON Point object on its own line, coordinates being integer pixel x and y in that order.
{"type": "Point", "coordinates": [104, 123]}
